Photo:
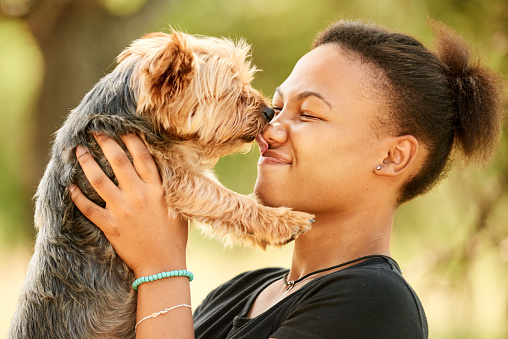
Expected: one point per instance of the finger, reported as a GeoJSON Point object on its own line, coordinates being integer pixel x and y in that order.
{"type": "Point", "coordinates": [120, 163]}
{"type": "Point", "coordinates": [90, 210]}
{"type": "Point", "coordinates": [96, 176]}
{"type": "Point", "coordinates": [144, 163]}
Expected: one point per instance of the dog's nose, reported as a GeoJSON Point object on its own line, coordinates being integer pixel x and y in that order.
{"type": "Point", "coordinates": [268, 113]}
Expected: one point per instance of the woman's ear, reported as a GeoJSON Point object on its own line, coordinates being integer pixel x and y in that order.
{"type": "Point", "coordinates": [401, 156]}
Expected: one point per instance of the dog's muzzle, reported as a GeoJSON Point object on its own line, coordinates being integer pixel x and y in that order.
{"type": "Point", "coordinates": [268, 113]}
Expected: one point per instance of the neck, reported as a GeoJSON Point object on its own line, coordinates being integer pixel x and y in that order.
{"type": "Point", "coordinates": [341, 238]}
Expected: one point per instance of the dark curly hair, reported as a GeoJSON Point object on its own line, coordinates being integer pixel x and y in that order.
{"type": "Point", "coordinates": [443, 99]}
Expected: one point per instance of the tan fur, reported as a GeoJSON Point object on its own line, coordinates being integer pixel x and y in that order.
{"type": "Point", "coordinates": [198, 89]}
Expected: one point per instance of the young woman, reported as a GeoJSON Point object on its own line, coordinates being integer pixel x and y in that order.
{"type": "Point", "coordinates": [366, 121]}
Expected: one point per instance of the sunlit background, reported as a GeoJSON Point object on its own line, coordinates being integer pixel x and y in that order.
{"type": "Point", "coordinates": [452, 244]}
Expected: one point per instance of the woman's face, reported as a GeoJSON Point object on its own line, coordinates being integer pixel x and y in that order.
{"type": "Point", "coordinates": [323, 148]}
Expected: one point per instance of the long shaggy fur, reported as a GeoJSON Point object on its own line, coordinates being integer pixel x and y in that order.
{"type": "Point", "coordinates": [191, 102]}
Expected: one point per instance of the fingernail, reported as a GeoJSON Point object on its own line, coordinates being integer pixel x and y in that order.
{"type": "Point", "coordinates": [80, 150]}
{"type": "Point", "coordinates": [98, 136]}
{"type": "Point", "coordinates": [312, 221]}
{"type": "Point", "coordinates": [72, 187]}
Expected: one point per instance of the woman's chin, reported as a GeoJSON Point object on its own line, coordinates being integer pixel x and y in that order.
{"type": "Point", "coordinates": [266, 196]}
{"type": "Point", "coordinates": [272, 201]}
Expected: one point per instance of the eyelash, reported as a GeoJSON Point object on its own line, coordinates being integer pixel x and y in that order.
{"type": "Point", "coordinates": [309, 116]}
{"type": "Point", "coordinates": [302, 114]}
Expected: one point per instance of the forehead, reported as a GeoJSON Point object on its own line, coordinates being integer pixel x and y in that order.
{"type": "Point", "coordinates": [330, 71]}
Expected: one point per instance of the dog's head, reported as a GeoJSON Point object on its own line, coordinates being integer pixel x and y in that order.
{"type": "Point", "coordinates": [198, 88]}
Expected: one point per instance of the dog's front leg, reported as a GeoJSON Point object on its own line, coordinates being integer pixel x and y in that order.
{"type": "Point", "coordinates": [202, 198]}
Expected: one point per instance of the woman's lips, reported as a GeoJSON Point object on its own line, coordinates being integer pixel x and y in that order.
{"type": "Point", "coordinates": [264, 160]}
{"type": "Point", "coordinates": [270, 156]}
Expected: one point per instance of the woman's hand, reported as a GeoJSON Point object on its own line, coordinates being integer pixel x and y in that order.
{"type": "Point", "coordinates": [136, 220]}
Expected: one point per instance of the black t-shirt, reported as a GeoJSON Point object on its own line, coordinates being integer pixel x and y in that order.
{"type": "Point", "coordinates": [368, 300]}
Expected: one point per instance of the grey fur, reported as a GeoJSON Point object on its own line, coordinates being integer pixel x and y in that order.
{"type": "Point", "coordinates": [76, 286]}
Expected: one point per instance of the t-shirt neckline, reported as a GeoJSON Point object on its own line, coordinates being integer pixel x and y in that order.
{"type": "Point", "coordinates": [242, 317]}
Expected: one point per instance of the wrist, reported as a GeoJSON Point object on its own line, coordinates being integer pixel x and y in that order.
{"type": "Point", "coordinates": [160, 295]}
{"type": "Point", "coordinates": [177, 260]}
{"type": "Point", "coordinates": [162, 275]}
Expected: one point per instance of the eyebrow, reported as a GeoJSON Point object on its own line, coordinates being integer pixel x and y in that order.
{"type": "Point", "coordinates": [306, 94]}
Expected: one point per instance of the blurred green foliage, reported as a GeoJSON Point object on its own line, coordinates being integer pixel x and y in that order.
{"type": "Point", "coordinates": [20, 77]}
{"type": "Point", "coordinates": [454, 240]}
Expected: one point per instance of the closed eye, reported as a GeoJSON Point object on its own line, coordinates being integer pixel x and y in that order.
{"type": "Point", "coordinates": [308, 116]}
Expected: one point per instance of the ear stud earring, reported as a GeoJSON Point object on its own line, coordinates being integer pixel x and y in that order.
{"type": "Point", "coordinates": [378, 168]}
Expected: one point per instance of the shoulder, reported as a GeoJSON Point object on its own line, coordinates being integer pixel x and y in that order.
{"type": "Point", "coordinates": [361, 301]}
{"type": "Point", "coordinates": [371, 281]}
{"type": "Point", "coordinates": [376, 289]}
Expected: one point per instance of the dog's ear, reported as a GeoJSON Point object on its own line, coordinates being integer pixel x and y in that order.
{"type": "Point", "coordinates": [164, 72]}
{"type": "Point", "coordinates": [170, 69]}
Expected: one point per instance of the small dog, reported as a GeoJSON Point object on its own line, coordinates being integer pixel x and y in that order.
{"type": "Point", "coordinates": [190, 100]}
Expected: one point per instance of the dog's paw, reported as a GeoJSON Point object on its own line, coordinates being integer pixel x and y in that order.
{"type": "Point", "coordinates": [284, 225]}
{"type": "Point", "coordinates": [298, 223]}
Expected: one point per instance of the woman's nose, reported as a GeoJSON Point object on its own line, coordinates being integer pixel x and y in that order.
{"type": "Point", "coordinates": [276, 132]}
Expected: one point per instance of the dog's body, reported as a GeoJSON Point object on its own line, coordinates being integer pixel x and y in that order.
{"type": "Point", "coordinates": [191, 101]}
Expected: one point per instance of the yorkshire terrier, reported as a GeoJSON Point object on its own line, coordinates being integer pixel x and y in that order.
{"type": "Point", "coordinates": [190, 100]}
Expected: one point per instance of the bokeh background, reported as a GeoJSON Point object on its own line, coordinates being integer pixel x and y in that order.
{"type": "Point", "coordinates": [452, 243]}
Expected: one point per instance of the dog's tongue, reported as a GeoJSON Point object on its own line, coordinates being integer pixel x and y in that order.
{"type": "Point", "coordinates": [263, 144]}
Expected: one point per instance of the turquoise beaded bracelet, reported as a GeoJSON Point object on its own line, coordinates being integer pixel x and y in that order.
{"type": "Point", "coordinates": [153, 277]}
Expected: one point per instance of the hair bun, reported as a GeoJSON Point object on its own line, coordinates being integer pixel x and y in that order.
{"type": "Point", "coordinates": [474, 93]}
